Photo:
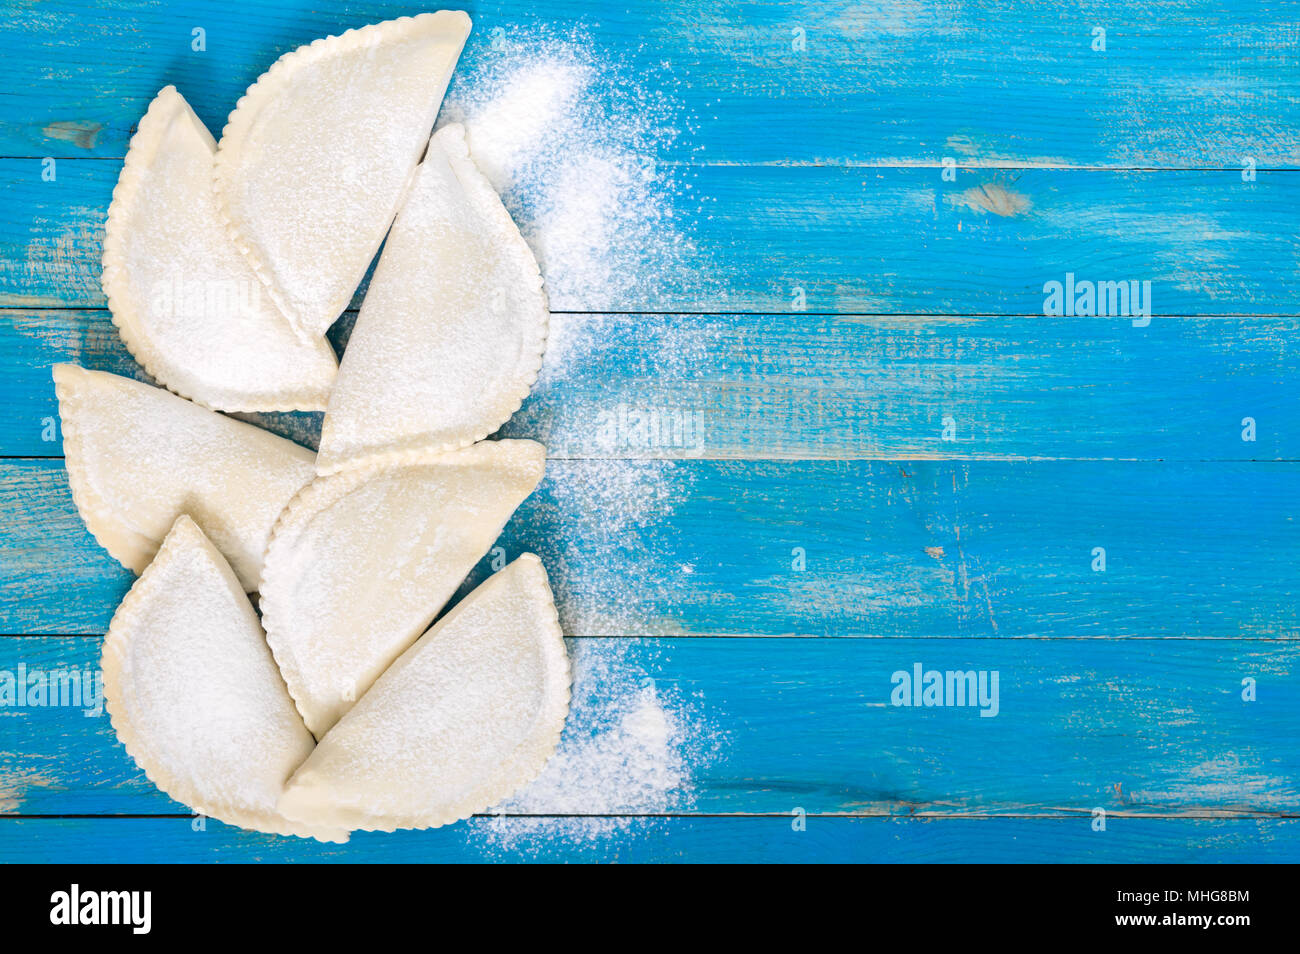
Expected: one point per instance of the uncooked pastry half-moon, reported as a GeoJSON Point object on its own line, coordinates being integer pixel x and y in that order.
{"type": "Point", "coordinates": [450, 337]}
{"type": "Point", "coordinates": [138, 457]}
{"type": "Point", "coordinates": [462, 720]}
{"type": "Point", "coordinates": [361, 562]}
{"type": "Point", "coordinates": [318, 154]}
{"type": "Point", "coordinates": [186, 302]}
{"type": "Point", "coordinates": [194, 694]}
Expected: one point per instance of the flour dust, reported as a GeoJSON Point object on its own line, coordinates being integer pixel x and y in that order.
{"type": "Point", "coordinates": [579, 146]}
{"type": "Point", "coordinates": [631, 748]}
{"type": "Point", "coordinates": [575, 145]}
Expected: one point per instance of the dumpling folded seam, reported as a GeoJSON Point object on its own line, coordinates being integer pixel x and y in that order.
{"type": "Point", "coordinates": [360, 562]}
{"type": "Point", "coordinates": [318, 154]}
{"type": "Point", "coordinates": [186, 303]}
{"type": "Point", "coordinates": [193, 693]}
{"type": "Point", "coordinates": [465, 717]}
{"type": "Point", "coordinates": [450, 337]}
{"type": "Point", "coordinates": [137, 457]}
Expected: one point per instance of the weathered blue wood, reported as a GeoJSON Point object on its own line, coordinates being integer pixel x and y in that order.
{"type": "Point", "coordinates": [913, 548]}
{"type": "Point", "coordinates": [780, 386]}
{"type": "Point", "coordinates": [1137, 726]}
{"type": "Point", "coordinates": [840, 240]}
{"type": "Point", "coordinates": [789, 150]}
{"type": "Point", "coordinates": [32, 342]}
{"type": "Point", "coordinates": [696, 840]}
{"type": "Point", "coordinates": [1190, 82]}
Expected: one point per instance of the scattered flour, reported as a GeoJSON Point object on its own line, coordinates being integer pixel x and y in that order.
{"type": "Point", "coordinates": [629, 749]}
{"type": "Point", "coordinates": [611, 562]}
{"type": "Point", "coordinates": [680, 350]}
{"type": "Point", "coordinates": [573, 144]}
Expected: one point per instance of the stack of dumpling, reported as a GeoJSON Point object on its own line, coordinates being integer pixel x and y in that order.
{"type": "Point", "coordinates": [340, 708]}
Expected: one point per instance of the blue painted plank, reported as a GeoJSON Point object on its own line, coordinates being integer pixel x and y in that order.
{"type": "Point", "coordinates": [694, 840]}
{"type": "Point", "coordinates": [1186, 82]}
{"type": "Point", "coordinates": [32, 342]}
{"type": "Point", "coordinates": [915, 548]}
{"type": "Point", "coordinates": [912, 549]}
{"type": "Point", "coordinates": [839, 240]}
{"type": "Point", "coordinates": [813, 386]}
{"type": "Point", "coordinates": [1144, 727]}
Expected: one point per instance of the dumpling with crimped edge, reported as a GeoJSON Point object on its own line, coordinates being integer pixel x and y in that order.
{"type": "Point", "coordinates": [451, 334]}
{"type": "Point", "coordinates": [360, 562]}
{"type": "Point", "coordinates": [138, 457]}
{"type": "Point", "coordinates": [462, 720]}
{"type": "Point", "coordinates": [317, 156]}
{"type": "Point", "coordinates": [184, 299]}
{"type": "Point", "coordinates": [195, 696]}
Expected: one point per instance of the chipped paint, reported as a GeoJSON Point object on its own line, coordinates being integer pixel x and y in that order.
{"type": "Point", "coordinates": [992, 197]}
{"type": "Point", "coordinates": [80, 132]}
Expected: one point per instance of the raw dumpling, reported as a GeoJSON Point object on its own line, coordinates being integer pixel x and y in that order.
{"type": "Point", "coordinates": [194, 694]}
{"type": "Point", "coordinates": [362, 561]}
{"type": "Point", "coordinates": [186, 302]}
{"type": "Point", "coordinates": [138, 457]}
{"type": "Point", "coordinates": [466, 717]}
{"type": "Point", "coordinates": [450, 337]}
{"type": "Point", "coordinates": [319, 152]}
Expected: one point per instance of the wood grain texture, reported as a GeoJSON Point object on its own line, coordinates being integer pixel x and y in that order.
{"type": "Point", "coordinates": [1135, 726]}
{"type": "Point", "coordinates": [1183, 83]}
{"type": "Point", "coordinates": [689, 840]}
{"type": "Point", "coordinates": [925, 548]}
{"type": "Point", "coordinates": [834, 298]}
{"type": "Point", "coordinates": [816, 386]}
{"type": "Point", "coordinates": [856, 241]}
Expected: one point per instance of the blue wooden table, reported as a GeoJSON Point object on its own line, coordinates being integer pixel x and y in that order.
{"type": "Point", "coordinates": [818, 426]}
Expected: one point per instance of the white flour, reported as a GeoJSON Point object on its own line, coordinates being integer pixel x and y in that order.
{"type": "Point", "coordinates": [576, 147]}
{"type": "Point", "coordinates": [634, 743]}
{"type": "Point", "coordinates": [574, 144]}
{"type": "Point", "coordinates": [611, 568]}
{"type": "Point", "coordinates": [629, 748]}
